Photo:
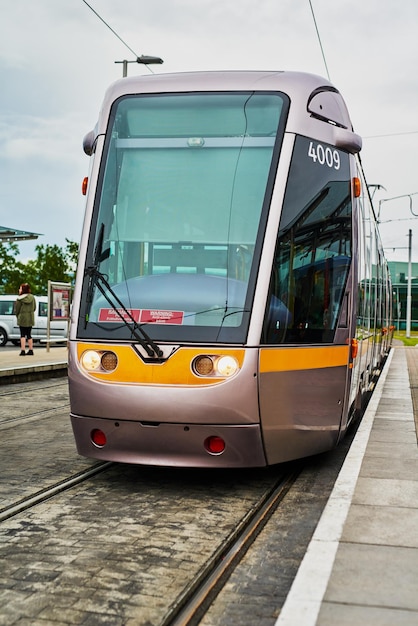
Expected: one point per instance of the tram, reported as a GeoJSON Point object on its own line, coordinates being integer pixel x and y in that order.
{"type": "Point", "coordinates": [232, 305]}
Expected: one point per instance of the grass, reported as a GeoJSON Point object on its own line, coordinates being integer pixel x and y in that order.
{"type": "Point", "coordinates": [407, 341]}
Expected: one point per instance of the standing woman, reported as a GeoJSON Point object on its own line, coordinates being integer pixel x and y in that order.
{"type": "Point", "coordinates": [25, 312]}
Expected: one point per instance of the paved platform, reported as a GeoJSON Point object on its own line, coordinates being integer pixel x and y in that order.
{"type": "Point", "coordinates": [15, 368]}
{"type": "Point", "coordinates": [361, 566]}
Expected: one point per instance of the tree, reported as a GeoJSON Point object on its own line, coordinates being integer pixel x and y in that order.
{"type": "Point", "coordinates": [71, 253]}
{"type": "Point", "coordinates": [11, 270]}
{"type": "Point", "coordinates": [52, 263]}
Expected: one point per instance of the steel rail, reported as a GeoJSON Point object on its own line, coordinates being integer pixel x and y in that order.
{"type": "Point", "coordinates": [200, 594]}
{"type": "Point", "coordinates": [15, 389]}
{"type": "Point", "coordinates": [8, 422]}
{"type": "Point", "coordinates": [49, 492]}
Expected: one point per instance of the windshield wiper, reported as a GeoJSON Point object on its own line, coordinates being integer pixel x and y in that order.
{"type": "Point", "coordinates": [99, 279]}
{"type": "Point", "coordinates": [98, 257]}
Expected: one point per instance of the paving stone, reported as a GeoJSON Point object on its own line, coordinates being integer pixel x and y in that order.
{"type": "Point", "coordinates": [353, 615]}
{"type": "Point", "coordinates": [375, 576]}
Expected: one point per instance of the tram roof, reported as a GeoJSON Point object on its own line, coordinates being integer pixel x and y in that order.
{"type": "Point", "coordinates": [221, 80]}
{"type": "Point", "coordinates": [318, 109]}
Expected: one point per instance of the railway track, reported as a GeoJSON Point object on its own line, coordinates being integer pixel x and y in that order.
{"type": "Point", "coordinates": [15, 389]}
{"type": "Point", "coordinates": [131, 545]}
{"type": "Point", "coordinates": [192, 598]}
{"type": "Point", "coordinates": [185, 548]}
{"type": "Point", "coordinates": [200, 593]}
{"type": "Point", "coordinates": [29, 402]}
{"type": "Point", "coordinates": [31, 417]}
{"type": "Point", "coordinates": [48, 492]}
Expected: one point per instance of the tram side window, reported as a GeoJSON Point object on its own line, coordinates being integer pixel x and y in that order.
{"type": "Point", "coordinates": [313, 252]}
{"type": "Point", "coordinates": [363, 293]}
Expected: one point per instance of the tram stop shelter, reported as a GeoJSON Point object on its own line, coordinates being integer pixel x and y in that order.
{"type": "Point", "coordinates": [8, 235]}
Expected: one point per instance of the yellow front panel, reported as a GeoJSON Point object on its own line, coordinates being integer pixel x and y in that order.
{"type": "Point", "coordinates": [175, 371]}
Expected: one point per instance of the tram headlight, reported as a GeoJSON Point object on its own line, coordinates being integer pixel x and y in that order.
{"type": "Point", "coordinates": [226, 366]}
{"type": "Point", "coordinates": [203, 365]}
{"type": "Point", "coordinates": [223, 366]}
{"type": "Point", "coordinates": [109, 361]}
{"type": "Point", "coordinates": [91, 360]}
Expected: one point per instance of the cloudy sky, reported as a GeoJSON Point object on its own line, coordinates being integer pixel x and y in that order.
{"type": "Point", "coordinates": [57, 58]}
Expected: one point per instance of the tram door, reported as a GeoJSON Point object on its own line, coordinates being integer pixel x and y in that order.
{"type": "Point", "coordinates": [303, 381]}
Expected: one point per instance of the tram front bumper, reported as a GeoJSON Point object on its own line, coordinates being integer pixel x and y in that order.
{"type": "Point", "coordinates": [169, 444]}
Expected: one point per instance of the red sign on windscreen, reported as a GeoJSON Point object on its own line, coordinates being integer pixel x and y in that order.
{"type": "Point", "coordinates": [158, 316]}
{"type": "Point", "coordinates": [114, 315]}
{"type": "Point", "coordinates": [144, 316]}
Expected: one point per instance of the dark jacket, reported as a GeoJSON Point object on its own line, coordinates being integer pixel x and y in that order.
{"type": "Point", "coordinates": [25, 310]}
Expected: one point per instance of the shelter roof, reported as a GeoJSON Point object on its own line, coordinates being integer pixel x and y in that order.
{"type": "Point", "coordinates": [12, 234]}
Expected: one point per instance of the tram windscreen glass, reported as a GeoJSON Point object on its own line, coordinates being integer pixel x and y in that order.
{"type": "Point", "coordinates": [184, 183]}
{"type": "Point", "coordinates": [313, 253]}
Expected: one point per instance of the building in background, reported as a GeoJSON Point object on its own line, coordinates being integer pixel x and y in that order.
{"type": "Point", "coordinates": [399, 275]}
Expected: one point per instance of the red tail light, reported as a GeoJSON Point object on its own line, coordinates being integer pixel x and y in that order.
{"type": "Point", "coordinates": [215, 445]}
{"type": "Point", "coordinates": [98, 437]}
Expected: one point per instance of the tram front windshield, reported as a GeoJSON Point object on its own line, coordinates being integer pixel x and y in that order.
{"type": "Point", "coordinates": [182, 198]}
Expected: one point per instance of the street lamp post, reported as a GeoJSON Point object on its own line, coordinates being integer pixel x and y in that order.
{"type": "Point", "coordinates": [409, 289]}
{"type": "Point", "coordinates": [144, 59]}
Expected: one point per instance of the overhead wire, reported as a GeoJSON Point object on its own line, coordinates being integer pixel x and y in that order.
{"type": "Point", "coordinates": [410, 132]}
{"type": "Point", "coordinates": [319, 40]}
{"type": "Point", "coordinates": [110, 28]}
{"type": "Point", "coordinates": [114, 32]}
{"type": "Point", "coordinates": [413, 132]}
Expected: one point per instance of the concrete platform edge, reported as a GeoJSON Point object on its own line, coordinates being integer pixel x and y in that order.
{"type": "Point", "coordinates": [44, 363]}
{"type": "Point", "coordinates": [306, 594]}
{"type": "Point", "coordinates": [15, 371]}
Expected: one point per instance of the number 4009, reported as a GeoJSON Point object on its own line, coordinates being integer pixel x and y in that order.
{"type": "Point", "coordinates": [324, 155]}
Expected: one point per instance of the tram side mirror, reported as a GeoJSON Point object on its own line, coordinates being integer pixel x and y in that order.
{"type": "Point", "coordinates": [88, 143]}
{"type": "Point", "coordinates": [347, 140]}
